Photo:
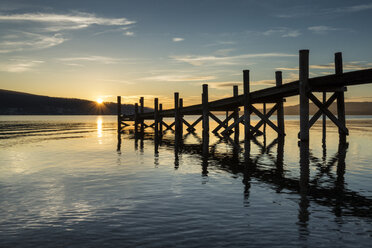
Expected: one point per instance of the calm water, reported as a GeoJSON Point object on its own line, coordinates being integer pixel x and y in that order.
{"type": "Point", "coordinates": [65, 181]}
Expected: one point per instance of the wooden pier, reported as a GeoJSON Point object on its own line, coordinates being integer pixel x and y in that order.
{"type": "Point", "coordinates": [305, 88]}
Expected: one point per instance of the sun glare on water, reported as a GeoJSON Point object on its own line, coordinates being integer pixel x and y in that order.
{"type": "Point", "coordinates": [99, 100]}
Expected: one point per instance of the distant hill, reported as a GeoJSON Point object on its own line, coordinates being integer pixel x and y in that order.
{"type": "Point", "coordinates": [19, 103]}
{"type": "Point", "coordinates": [351, 108]}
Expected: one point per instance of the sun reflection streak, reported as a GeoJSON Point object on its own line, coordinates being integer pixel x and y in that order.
{"type": "Point", "coordinates": [99, 127]}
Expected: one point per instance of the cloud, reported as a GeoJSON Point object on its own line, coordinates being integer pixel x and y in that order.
{"type": "Point", "coordinates": [322, 29]}
{"type": "Point", "coordinates": [129, 33]}
{"type": "Point", "coordinates": [354, 8]}
{"type": "Point", "coordinates": [179, 78]}
{"type": "Point", "coordinates": [353, 65]}
{"type": "Point", "coordinates": [20, 65]}
{"type": "Point", "coordinates": [29, 41]}
{"type": "Point", "coordinates": [225, 60]}
{"type": "Point", "coordinates": [100, 59]}
{"type": "Point", "coordinates": [283, 32]}
{"type": "Point", "coordinates": [178, 39]}
{"type": "Point", "coordinates": [44, 30]}
{"type": "Point", "coordinates": [57, 22]}
{"type": "Point", "coordinates": [304, 12]}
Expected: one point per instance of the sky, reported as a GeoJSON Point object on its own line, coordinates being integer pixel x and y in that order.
{"type": "Point", "coordinates": [153, 48]}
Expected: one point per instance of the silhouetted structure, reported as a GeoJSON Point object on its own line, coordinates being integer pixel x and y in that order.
{"type": "Point", "coordinates": [304, 88]}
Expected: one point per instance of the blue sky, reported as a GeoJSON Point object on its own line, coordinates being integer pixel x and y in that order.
{"type": "Point", "coordinates": [100, 49]}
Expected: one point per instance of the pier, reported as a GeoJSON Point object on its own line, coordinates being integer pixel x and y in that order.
{"type": "Point", "coordinates": [335, 85]}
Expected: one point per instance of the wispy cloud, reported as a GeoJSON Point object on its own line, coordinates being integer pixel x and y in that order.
{"type": "Point", "coordinates": [29, 41]}
{"type": "Point", "coordinates": [57, 22]}
{"type": "Point", "coordinates": [20, 65]}
{"type": "Point", "coordinates": [354, 8]}
{"type": "Point", "coordinates": [353, 65]}
{"type": "Point", "coordinates": [322, 29]}
{"type": "Point", "coordinates": [225, 60]}
{"type": "Point", "coordinates": [178, 39]}
{"type": "Point", "coordinates": [179, 78]}
{"type": "Point", "coordinates": [129, 33]}
{"type": "Point", "coordinates": [44, 30]}
{"type": "Point", "coordinates": [303, 12]}
{"type": "Point", "coordinates": [283, 32]}
{"type": "Point", "coordinates": [98, 59]}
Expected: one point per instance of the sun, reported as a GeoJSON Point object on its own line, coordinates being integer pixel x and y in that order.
{"type": "Point", "coordinates": [99, 100]}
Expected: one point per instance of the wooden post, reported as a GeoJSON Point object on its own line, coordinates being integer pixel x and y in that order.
{"type": "Point", "coordinates": [156, 117]}
{"type": "Point", "coordinates": [280, 111]}
{"type": "Point", "coordinates": [119, 113]}
{"type": "Point", "coordinates": [264, 113]}
{"type": "Point", "coordinates": [324, 130]}
{"type": "Point", "coordinates": [205, 110]}
{"type": "Point", "coordinates": [161, 119]}
{"type": "Point", "coordinates": [176, 113]}
{"type": "Point", "coordinates": [142, 102]}
{"type": "Point", "coordinates": [181, 117]}
{"type": "Point", "coordinates": [236, 116]}
{"type": "Point", "coordinates": [136, 119]}
{"type": "Point", "coordinates": [247, 106]}
{"type": "Point", "coordinates": [227, 119]}
{"type": "Point", "coordinates": [304, 100]}
{"type": "Point", "coordinates": [340, 95]}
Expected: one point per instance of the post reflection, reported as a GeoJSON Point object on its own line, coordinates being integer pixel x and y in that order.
{"type": "Point", "coordinates": [326, 187]}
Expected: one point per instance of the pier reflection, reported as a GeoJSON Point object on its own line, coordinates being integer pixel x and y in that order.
{"type": "Point", "coordinates": [326, 187]}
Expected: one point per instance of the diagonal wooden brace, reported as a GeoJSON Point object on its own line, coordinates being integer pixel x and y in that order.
{"type": "Point", "coordinates": [267, 120]}
{"type": "Point", "coordinates": [319, 112]}
{"type": "Point", "coordinates": [191, 128]}
{"type": "Point", "coordinates": [215, 118]}
{"type": "Point", "coordinates": [223, 123]}
{"type": "Point", "coordinates": [187, 124]}
{"type": "Point", "coordinates": [167, 127]}
{"type": "Point", "coordinates": [229, 128]}
{"type": "Point", "coordinates": [261, 122]}
{"type": "Point", "coordinates": [329, 114]}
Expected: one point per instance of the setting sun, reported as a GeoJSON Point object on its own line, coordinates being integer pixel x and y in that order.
{"type": "Point", "coordinates": [99, 101]}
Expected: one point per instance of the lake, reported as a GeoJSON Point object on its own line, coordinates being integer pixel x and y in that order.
{"type": "Point", "coordinates": [71, 181]}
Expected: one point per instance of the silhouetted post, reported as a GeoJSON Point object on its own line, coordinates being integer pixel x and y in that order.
{"type": "Point", "coordinates": [304, 100]}
{"type": "Point", "coordinates": [156, 118]}
{"type": "Point", "coordinates": [181, 117]}
{"type": "Point", "coordinates": [247, 106]}
{"type": "Point", "coordinates": [280, 111]}
{"type": "Point", "coordinates": [264, 112]}
{"type": "Point", "coordinates": [205, 110]}
{"type": "Point", "coordinates": [340, 97]}
{"type": "Point", "coordinates": [142, 102]}
{"type": "Point", "coordinates": [176, 113]}
{"type": "Point", "coordinates": [227, 121]}
{"type": "Point", "coordinates": [136, 119]}
{"type": "Point", "coordinates": [324, 130]}
{"type": "Point", "coordinates": [205, 121]}
{"type": "Point", "coordinates": [119, 113]}
{"type": "Point", "coordinates": [236, 116]}
{"type": "Point", "coordinates": [161, 119]}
